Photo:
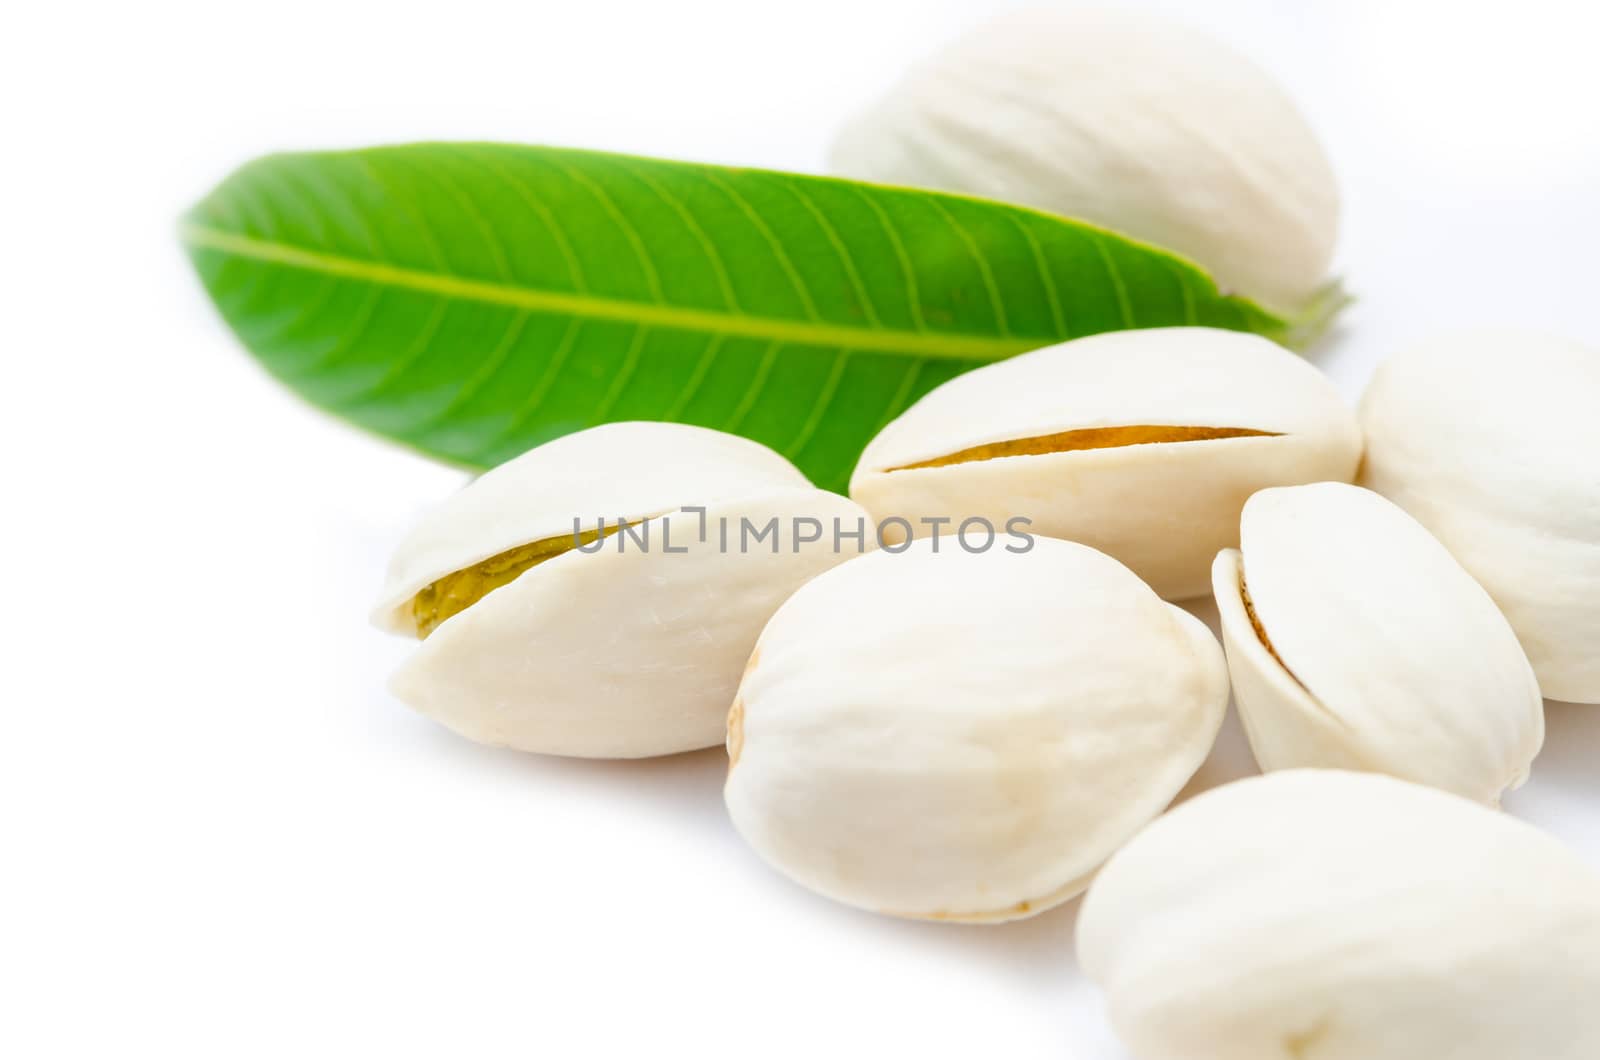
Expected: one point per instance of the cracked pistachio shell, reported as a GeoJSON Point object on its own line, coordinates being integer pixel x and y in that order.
{"type": "Point", "coordinates": [1131, 122]}
{"type": "Point", "coordinates": [1492, 441]}
{"type": "Point", "coordinates": [967, 736]}
{"type": "Point", "coordinates": [1357, 642]}
{"type": "Point", "coordinates": [618, 653]}
{"type": "Point", "coordinates": [1143, 444]}
{"type": "Point", "coordinates": [1327, 915]}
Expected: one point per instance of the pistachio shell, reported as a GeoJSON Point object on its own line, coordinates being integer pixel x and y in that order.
{"type": "Point", "coordinates": [1128, 121]}
{"type": "Point", "coordinates": [1143, 444]}
{"type": "Point", "coordinates": [1328, 915]}
{"type": "Point", "coordinates": [967, 736]}
{"type": "Point", "coordinates": [1363, 645]}
{"type": "Point", "coordinates": [1492, 441]}
{"type": "Point", "coordinates": [630, 650]}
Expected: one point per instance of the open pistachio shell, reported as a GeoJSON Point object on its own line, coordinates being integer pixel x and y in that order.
{"type": "Point", "coordinates": [1136, 123]}
{"type": "Point", "coordinates": [1142, 444]}
{"type": "Point", "coordinates": [966, 736]}
{"type": "Point", "coordinates": [1491, 440]}
{"type": "Point", "coordinates": [622, 644]}
{"type": "Point", "coordinates": [1329, 915]}
{"type": "Point", "coordinates": [1356, 642]}
{"type": "Point", "coordinates": [620, 471]}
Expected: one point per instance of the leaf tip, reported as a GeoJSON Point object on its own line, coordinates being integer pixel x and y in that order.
{"type": "Point", "coordinates": [1316, 318]}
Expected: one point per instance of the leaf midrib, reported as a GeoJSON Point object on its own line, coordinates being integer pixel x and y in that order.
{"type": "Point", "coordinates": [773, 329]}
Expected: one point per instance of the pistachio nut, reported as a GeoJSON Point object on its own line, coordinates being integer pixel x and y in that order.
{"type": "Point", "coordinates": [957, 735]}
{"type": "Point", "coordinates": [1492, 441]}
{"type": "Point", "coordinates": [545, 632]}
{"type": "Point", "coordinates": [1143, 444]}
{"type": "Point", "coordinates": [1329, 915]}
{"type": "Point", "coordinates": [1146, 127]}
{"type": "Point", "coordinates": [1356, 641]}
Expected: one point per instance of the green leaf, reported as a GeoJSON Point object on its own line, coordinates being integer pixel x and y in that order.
{"type": "Point", "coordinates": [475, 300]}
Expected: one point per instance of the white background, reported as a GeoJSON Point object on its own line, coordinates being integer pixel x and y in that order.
{"type": "Point", "coordinates": [221, 837]}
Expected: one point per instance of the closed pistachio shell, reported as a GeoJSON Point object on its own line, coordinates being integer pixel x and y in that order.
{"type": "Point", "coordinates": [1491, 440]}
{"type": "Point", "coordinates": [628, 650]}
{"type": "Point", "coordinates": [1356, 641]}
{"type": "Point", "coordinates": [966, 736]}
{"type": "Point", "coordinates": [1143, 444]}
{"type": "Point", "coordinates": [1131, 122]}
{"type": "Point", "coordinates": [1329, 915]}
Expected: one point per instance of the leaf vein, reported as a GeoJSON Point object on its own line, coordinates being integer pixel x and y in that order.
{"type": "Point", "coordinates": [1189, 315]}
{"type": "Point", "coordinates": [423, 228]}
{"type": "Point", "coordinates": [349, 340]}
{"type": "Point", "coordinates": [1057, 315]}
{"type": "Point", "coordinates": [897, 403]}
{"type": "Point", "coordinates": [914, 294]}
{"type": "Point", "coordinates": [782, 256]}
{"type": "Point", "coordinates": [702, 369]}
{"type": "Point", "coordinates": [846, 259]}
{"type": "Point", "coordinates": [541, 389]}
{"type": "Point", "coordinates": [819, 408]}
{"type": "Point", "coordinates": [497, 251]}
{"type": "Point", "coordinates": [980, 261]}
{"type": "Point", "coordinates": [946, 345]}
{"type": "Point", "coordinates": [630, 364]}
{"type": "Point", "coordinates": [546, 218]}
{"type": "Point", "coordinates": [414, 352]}
{"type": "Point", "coordinates": [487, 370]}
{"type": "Point", "coordinates": [1117, 283]}
{"type": "Point", "coordinates": [758, 383]}
{"type": "Point", "coordinates": [652, 278]}
{"type": "Point", "coordinates": [718, 267]}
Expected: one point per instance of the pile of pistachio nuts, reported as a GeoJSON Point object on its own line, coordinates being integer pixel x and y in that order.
{"type": "Point", "coordinates": [962, 693]}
